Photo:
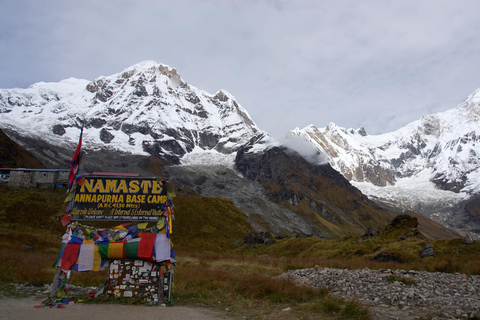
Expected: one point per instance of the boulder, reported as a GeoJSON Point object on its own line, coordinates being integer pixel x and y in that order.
{"type": "Point", "coordinates": [468, 239]}
{"type": "Point", "coordinates": [371, 232]}
{"type": "Point", "coordinates": [258, 238]}
{"type": "Point", "coordinates": [427, 251]}
{"type": "Point", "coordinates": [385, 257]}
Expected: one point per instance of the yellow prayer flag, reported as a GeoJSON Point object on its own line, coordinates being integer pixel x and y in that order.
{"type": "Point", "coordinates": [97, 259]}
{"type": "Point", "coordinates": [142, 225]}
{"type": "Point", "coordinates": [115, 250]}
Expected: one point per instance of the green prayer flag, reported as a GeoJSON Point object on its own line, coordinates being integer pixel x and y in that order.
{"type": "Point", "coordinates": [131, 250]}
{"type": "Point", "coordinates": [103, 250]}
{"type": "Point", "coordinates": [59, 254]}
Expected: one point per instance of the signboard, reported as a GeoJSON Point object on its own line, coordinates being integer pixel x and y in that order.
{"type": "Point", "coordinates": [121, 199]}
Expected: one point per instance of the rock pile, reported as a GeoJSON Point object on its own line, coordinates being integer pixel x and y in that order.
{"type": "Point", "coordinates": [399, 294]}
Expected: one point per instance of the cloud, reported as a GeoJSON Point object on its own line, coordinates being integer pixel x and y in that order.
{"type": "Point", "coordinates": [305, 149]}
{"type": "Point", "coordinates": [289, 63]}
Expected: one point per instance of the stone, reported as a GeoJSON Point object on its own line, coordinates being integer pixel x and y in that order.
{"type": "Point", "coordinates": [430, 295]}
{"type": "Point", "coordinates": [106, 136]}
{"type": "Point", "coordinates": [427, 251]}
{"type": "Point", "coordinates": [269, 241]}
{"type": "Point", "coordinates": [27, 247]}
{"type": "Point", "coordinates": [35, 284]}
{"type": "Point", "coordinates": [468, 239]}
{"type": "Point", "coordinates": [59, 130]}
{"type": "Point", "coordinates": [385, 257]}
{"type": "Point", "coordinates": [371, 232]}
{"type": "Point", "coordinates": [257, 238]}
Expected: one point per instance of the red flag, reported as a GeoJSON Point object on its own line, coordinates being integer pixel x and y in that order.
{"type": "Point", "coordinates": [75, 162]}
{"type": "Point", "coordinates": [66, 220]}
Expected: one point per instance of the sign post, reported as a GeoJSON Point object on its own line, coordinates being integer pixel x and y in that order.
{"type": "Point", "coordinates": [140, 258]}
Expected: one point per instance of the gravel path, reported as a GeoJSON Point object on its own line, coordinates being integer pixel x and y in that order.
{"type": "Point", "coordinates": [23, 308]}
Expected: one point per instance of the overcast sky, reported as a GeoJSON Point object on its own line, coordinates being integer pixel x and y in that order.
{"type": "Point", "coordinates": [374, 63]}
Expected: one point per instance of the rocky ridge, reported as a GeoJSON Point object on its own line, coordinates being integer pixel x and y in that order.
{"type": "Point", "coordinates": [399, 294]}
{"type": "Point", "coordinates": [430, 166]}
{"type": "Point", "coordinates": [444, 144]}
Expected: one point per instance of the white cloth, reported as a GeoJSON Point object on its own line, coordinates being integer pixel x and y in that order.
{"type": "Point", "coordinates": [85, 257]}
{"type": "Point", "coordinates": [162, 247]}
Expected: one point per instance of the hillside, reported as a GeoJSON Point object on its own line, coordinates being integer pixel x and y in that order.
{"type": "Point", "coordinates": [321, 195]}
{"type": "Point", "coordinates": [430, 166]}
{"type": "Point", "coordinates": [14, 156]}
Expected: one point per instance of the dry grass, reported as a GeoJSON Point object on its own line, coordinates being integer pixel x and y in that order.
{"type": "Point", "coordinates": [451, 255]}
{"type": "Point", "coordinates": [213, 271]}
{"type": "Point", "coordinates": [24, 267]}
{"type": "Point", "coordinates": [247, 286]}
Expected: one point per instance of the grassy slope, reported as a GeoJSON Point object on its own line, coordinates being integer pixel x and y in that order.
{"type": "Point", "coordinates": [318, 194]}
{"type": "Point", "coordinates": [326, 199]}
{"type": "Point", "coordinates": [338, 199]}
{"type": "Point", "coordinates": [207, 224]}
{"type": "Point", "coordinates": [14, 156]}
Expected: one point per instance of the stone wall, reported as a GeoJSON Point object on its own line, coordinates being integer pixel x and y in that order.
{"type": "Point", "coordinates": [29, 178]}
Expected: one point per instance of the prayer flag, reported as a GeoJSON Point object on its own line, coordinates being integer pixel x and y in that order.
{"type": "Point", "coordinates": [69, 256]}
{"type": "Point", "coordinates": [116, 250]}
{"type": "Point", "coordinates": [146, 245]}
{"type": "Point", "coordinates": [65, 220]}
{"type": "Point", "coordinates": [75, 162]}
{"type": "Point", "coordinates": [162, 248]}
{"type": "Point", "coordinates": [131, 250]}
{"type": "Point", "coordinates": [86, 255]}
{"type": "Point", "coordinates": [97, 259]}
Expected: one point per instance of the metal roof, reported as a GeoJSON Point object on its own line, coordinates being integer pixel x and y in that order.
{"type": "Point", "coordinates": [116, 174]}
{"type": "Point", "coordinates": [41, 170]}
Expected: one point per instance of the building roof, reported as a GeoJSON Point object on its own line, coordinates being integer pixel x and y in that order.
{"type": "Point", "coordinates": [116, 174]}
{"type": "Point", "coordinates": [41, 170]}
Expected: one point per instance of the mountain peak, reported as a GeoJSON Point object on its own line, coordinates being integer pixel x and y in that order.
{"type": "Point", "coordinates": [146, 64]}
{"type": "Point", "coordinates": [145, 109]}
{"type": "Point", "coordinates": [437, 154]}
{"type": "Point", "coordinates": [149, 69]}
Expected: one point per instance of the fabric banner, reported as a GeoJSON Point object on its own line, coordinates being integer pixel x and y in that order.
{"type": "Point", "coordinates": [162, 248]}
{"type": "Point", "coordinates": [147, 243]}
{"type": "Point", "coordinates": [86, 256]}
{"type": "Point", "coordinates": [97, 259]}
{"type": "Point", "coordinates": [115, 250]}
{"type": "Point", "coordinates": [131, 250]}
{"type": "Point", "coordinates": [103, 250]}
{"type": "Point", "coordinates": [87, 248]}
{"type": "Point", "coordinates": [70, 256]}
{"type": "Point", "coordinates": [59, 256]}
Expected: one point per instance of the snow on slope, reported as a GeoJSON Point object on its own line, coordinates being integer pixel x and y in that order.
{"type": "Point", "coordinates": [33, 109]}
{"type": "Point", "coordinates": [443, 148]}
{"type": "Point", "coordinates": [147, 108]}
{"type": "Point", "coordinates": [431, 165]}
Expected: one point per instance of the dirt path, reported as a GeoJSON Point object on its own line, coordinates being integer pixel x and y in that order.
{"type": "Point", "coordinates": [11, 308]}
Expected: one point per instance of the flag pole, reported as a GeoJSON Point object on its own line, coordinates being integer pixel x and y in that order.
{"type": "Point", "coordinates": [74, 166]}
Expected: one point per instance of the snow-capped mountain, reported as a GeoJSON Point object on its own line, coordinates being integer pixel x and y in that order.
{"type": "Point", "coordinates": [146, 109]}
{"type": "Point", "coordinates": [431, 166]}
{"type": "Point", "coordinates": [147, 119]}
